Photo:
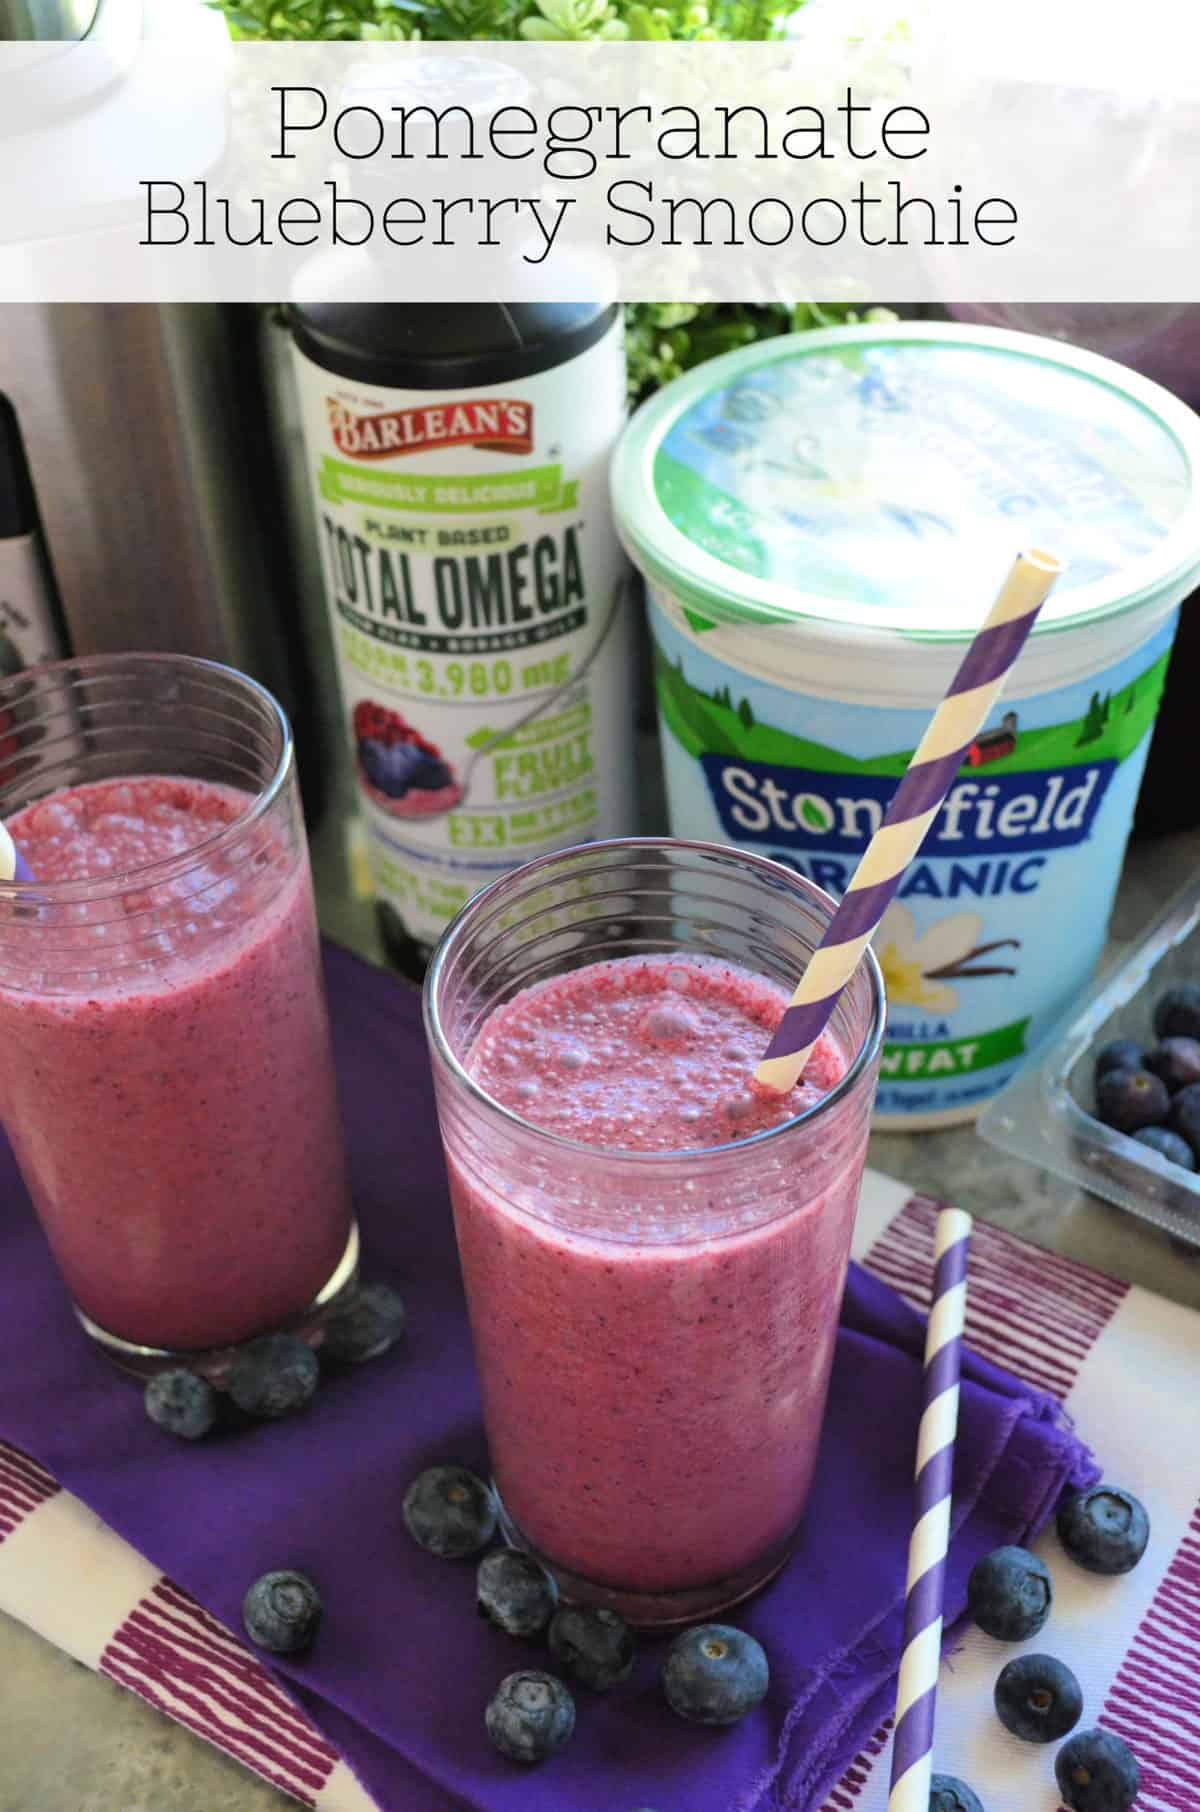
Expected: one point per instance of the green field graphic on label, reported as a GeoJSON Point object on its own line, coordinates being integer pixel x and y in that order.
{"type": "Point", "coordinates": [717, 723]}
{"type": "Point", "coordinates": [541, 488]}
{"type": "Point", "coordinates": [945, 1057]}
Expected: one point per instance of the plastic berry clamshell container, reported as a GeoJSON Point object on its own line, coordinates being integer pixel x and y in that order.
{"type": "Point", "coordinates": [1043, 1115]}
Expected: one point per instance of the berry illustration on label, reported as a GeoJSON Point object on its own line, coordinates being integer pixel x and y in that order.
{"type": "Point", "coordinates": [400, 770]}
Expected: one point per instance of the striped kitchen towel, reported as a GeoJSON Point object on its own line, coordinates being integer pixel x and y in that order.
{"type": "Point", "coordinates": [1123, 1361]}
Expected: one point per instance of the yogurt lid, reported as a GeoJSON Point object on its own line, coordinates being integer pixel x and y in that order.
{"type": "Point", "coordinates": [884, 477]}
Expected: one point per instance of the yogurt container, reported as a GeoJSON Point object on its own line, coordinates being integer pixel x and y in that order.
{"type": "Point", "coordinates": [822, 521]}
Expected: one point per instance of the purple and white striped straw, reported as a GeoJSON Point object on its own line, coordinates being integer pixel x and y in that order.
{"type": "Point", "coordinates": [915, 804]}
{"type": "Point", "coordinates": [916, 1689]}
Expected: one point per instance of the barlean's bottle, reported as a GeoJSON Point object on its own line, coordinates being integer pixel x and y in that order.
{"type": "Point", "coordinates": [477, 593]}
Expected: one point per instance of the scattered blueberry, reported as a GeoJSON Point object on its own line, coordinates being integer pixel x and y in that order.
{"type": "Point", "coordinates": [1169, 1145]}
{"type": "Point", "coordinates": [274, 1376]}
{"type": "Point", "coordinates": [281, 1612]}
{"type": "Point", "coordinates": [1176, 1062]}
{"type": "Point", "coordinates": [594, 1645]}
{"type": "Point", "coordinates": [1097, 1772]}
{"type": "Point", "coordinates": [1130, 1099]}
{"type": "Point", "coordinates": [450, 1512]}
{"type": "Point", "coordinates": [371, 1322]}
{"type": "Point", "coordinates": [1038, 1699]}
{"type": "Point", "coordinates": [515, 1592]}
{"type": "Point", "coordinates": [1184, 1117]}
{"type": "Point", "coordinates": [1103, 1529]}
{"type": "Point", "coordinates": [948, 1794]}
{"type": "Point", "coordinates": [1009, 1594]}
{"type": "Point", "coordinates": [1119, 1054]}
{"type": "Point", "coordinates": [182, 1403]}
{"type": "Point", "coordinates": [1177, 1012]}
{"type": "Point", "coordinates": [715, 1674]}
{"type": "Point", "coordinates": [531, 1717]}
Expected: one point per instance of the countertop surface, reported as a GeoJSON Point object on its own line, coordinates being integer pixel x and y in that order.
{"type": "Point", "coordinates": [73, 1742]}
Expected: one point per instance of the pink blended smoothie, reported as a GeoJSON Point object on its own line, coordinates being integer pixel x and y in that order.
{"type": "Point", "coordinates": [653, 1399]}
{"type": "Point", "coordinates": [173, 1107]}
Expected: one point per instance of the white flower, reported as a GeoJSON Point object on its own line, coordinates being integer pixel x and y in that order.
{"type": "Point", "coordinates": [910, 963]}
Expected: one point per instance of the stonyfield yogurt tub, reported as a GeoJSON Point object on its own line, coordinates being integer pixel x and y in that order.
{"type": "Point", "coordinates": [822, 521]}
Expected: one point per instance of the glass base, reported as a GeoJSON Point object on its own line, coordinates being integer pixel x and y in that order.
{"type": "Point", "coordinates": [213, 1363]}
{"type": "Point", "coordinates": [653, 1610]}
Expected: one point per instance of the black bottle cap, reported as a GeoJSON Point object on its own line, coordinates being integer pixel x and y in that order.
{"type": "Point", "coordinates": [447, 346]}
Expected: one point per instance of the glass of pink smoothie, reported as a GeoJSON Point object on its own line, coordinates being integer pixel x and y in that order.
{"type": "Point", "coordinates": [166, 1077]}
{"type": "Point", "coordinates": [654, 1254]}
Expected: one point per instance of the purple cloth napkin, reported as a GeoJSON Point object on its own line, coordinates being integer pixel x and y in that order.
{"type": "Point", "coordinates": [403, 1667]}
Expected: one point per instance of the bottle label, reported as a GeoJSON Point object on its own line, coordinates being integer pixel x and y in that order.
{"type": "Point", "coordinates": [477, 600]}
{"type": "Point", "coordinates": [27, 631]}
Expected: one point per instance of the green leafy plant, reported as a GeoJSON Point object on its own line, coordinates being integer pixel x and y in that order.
{"type": "Point", "coordinates": [554, 20]}
{"type": "Point", "coordinates": [664, 339]}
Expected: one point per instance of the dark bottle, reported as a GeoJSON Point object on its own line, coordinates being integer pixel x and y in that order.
{"type": "Point", "coordinates": [32, 626]}
{"type": "Point", "coordinates": [1166, 802]}
{"type": "Point", "coordinates": [458, 457]}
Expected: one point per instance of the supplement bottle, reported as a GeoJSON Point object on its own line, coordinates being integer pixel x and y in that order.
{"type": "Point", "coordinates": [458, 457]}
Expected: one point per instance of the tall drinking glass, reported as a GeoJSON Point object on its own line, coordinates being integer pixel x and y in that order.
{"type": "Point", "coordinates": [654, 1329]}
{"type": "Point", "coordinates": [166, 1076]}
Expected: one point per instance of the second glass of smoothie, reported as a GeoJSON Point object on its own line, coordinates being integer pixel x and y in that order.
{"type": "Point", "coordinates": [166, 1075]}
{"type": "Point", "coordinates": [654, 1253]}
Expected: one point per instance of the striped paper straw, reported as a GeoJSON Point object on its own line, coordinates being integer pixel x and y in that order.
{"type": "Point", "coordinates": [916, 1690]}
{"type": "Point", "coordinates": [915, 804]}
{"type": "Point", "coordinates": [13, 865]}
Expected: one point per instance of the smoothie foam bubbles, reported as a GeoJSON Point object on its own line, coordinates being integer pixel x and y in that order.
{"type": "Point", "coordinates": [815, 518]}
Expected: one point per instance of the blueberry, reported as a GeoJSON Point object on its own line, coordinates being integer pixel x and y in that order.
{"type": "Point", "coordinates": [1129, 1099]}
{"type": "Point", "coordinates": [450, 1512]}
{"type": "Point", "coordinates": [182, 1403]}
{"type": "Point", "coordinates": [594, 1645]}
{"type": "Point", "coordinates": [1103, 1529]}
{"type": "Point", "coordinates": [1119, 1054]}
{"type": "Point", "coordinates": [281, 1612]}
{"type": "Point", "coordinates": [1184, 1117]}
{"type": "Point", "coordinates": [388, 766]}
{"type": "Point", "coordinates": [531, 1717]}
{"type": "Point", "coordinates": [1177, 1012]}
{"type": "Point", "coordinates": [1038, 1699]}
{"type": "Point", "coordinates": [274, 1376]}
{"type": "Point", "coordinates": [364, 1327]}
{"type": "Point", "coordinates": [1170, 1145]}
{"type": "Point", "coordinates": [513, 1591]}
{"type": "Point", "coordinates": [715, 1674]}
{"type": "Point", "coordinates": [431, 774]}
{"type": "Point", "coordinates": [1176, 1062]}
{"type": "Point", "coordinates": [1097, 1772]}
{"type": "Point", "coordinates": [949, 1794]}
{"type": "Point", "coordinates": [1009, 1594]}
